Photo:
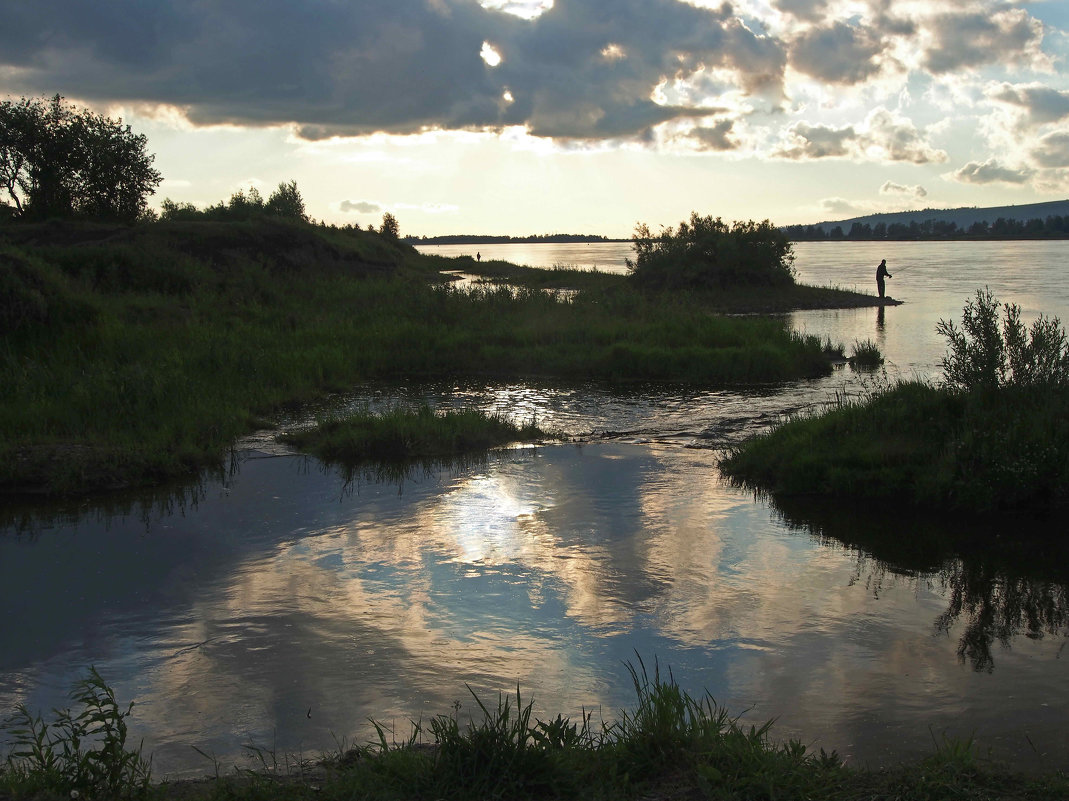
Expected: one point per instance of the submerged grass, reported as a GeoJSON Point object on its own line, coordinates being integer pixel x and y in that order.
{"type": "Point", "coordinates": [130, 356]}
{"type": "Point", "coordinates": [671, 745]}
{"type": "Point", "coordinates": [409, 434]}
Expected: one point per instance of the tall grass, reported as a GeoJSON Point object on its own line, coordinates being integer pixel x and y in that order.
{"type": "Point", "coordinates": [127, 361]}
{"type": "Point", "coordinates": [670, 745]}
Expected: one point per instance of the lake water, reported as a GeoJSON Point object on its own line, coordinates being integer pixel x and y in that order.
{"type": "Point", "coordinates": [284, 604]}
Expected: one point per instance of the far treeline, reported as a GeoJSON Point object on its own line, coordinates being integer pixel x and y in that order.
{"type": "Point", "coordinates": [1051, 227]}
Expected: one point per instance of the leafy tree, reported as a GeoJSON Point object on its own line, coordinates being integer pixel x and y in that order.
{"type": "Point", "coordinates": [390, 229]}
{"type": "Point", "coordinates": [57, 160]}
{"type": "Point", "coordinates": [286, 201]}
{"type": "Point", "coordinates": [708, 253]}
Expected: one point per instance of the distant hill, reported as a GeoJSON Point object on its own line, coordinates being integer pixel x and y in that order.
{"type": "Point", "coordinates": [1016, 221]}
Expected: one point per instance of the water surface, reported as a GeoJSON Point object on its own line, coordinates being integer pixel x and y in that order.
{"type": "Point", "coordinates": [282, 605]}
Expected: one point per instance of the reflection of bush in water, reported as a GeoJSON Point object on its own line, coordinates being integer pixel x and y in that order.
{"type": "Point", "coordinates": [997, 588]}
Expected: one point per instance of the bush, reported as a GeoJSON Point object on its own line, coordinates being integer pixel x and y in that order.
{"type": "Point", "coordinates": [982, 356]}
{"type": "Point", "coordinates": [708, 254]}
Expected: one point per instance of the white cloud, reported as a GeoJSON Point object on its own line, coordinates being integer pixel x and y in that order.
{"type": "Point", "coordinates": [916, 192]}
{"type": "Point", "coordinates": [884, 136]}
{"type": "Point", "coordinates": [991, 171]}
{"type": "Point", "coordinates": [359, 207]}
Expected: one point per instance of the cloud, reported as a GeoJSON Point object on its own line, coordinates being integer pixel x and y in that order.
{"type": "Point", "coordinates": [1052, 150]}
{"type": "Point", "coordinates": [360, 207]}
{"type": "Point", "coordinates": [397, 66]}
{"type": "Point", "coordinates": [974, 38]}
{"type": "Point", "coordinates": [891, 188]}
{"type": "Point", "coordinates": [1039, 104]}
{"type": "Point", "coordinates": [839, 53]}
{"type": "Point", "coordinates": [884, 136]}
{"type": "Point", "coordinates": [716, 136]}
{"type": "Point", "coordinates": [989, 172]}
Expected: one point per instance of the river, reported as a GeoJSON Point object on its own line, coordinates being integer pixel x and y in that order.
{"type": "Point", "coordinates": [283, 604]}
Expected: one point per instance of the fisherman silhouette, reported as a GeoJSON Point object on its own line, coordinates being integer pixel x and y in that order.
{"type": "Point", "coordinates": [881, 273]}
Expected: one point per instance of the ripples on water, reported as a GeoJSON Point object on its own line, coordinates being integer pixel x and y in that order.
{"type": "Point", "coordinates": [283, 604]}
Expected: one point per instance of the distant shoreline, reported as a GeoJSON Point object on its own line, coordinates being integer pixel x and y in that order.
{"type": "Point", "coordinates": [487, 239]}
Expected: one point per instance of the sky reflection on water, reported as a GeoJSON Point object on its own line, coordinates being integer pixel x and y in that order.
{"type": "Point", "coordinates": [285, 609]}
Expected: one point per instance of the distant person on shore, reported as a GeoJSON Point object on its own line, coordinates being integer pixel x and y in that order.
{"type": "Point", "coordinates": [881, 273]}
{"type": "Point", "coordinates": [478, 256]}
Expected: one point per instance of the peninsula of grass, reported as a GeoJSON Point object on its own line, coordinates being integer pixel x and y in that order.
{"type": "Point", "coordinates": [131, 355]}
{"type": "Point", "coordinates": [670, 746]}
{"type": "Point", "coordinates": [404, 435]}
{"type": "Point", "coordinates": [994, 435]}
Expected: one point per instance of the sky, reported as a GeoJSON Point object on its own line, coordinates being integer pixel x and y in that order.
{"type": "Point", "coordinates": [570, 116]}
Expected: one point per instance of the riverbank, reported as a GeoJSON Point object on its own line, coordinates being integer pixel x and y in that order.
{"type": "Point", "coordinates": [134, 355]}
{"type": "Point", "coordinates": [669, 746]}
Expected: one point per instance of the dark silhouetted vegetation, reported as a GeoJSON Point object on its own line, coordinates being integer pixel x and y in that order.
{"type": "Point", "coordinates": [135, 354]}
{"type": "Point", "coordinates": [492, 239]}
{"type": "Point", "coordinates": [994, 436]}
{"type": "Point", "coordinates": [670, 746]}
{"type": "Point", "coordinates": [402, 434]}
{"type": "Point", "coordinates": [708, 254]}
{"type": "Point", "coordinates": [1055, 226]}
{"type": "Point", "coordinates": [284, 203]}
{"type": "Point", "coordinates": [59, 161]}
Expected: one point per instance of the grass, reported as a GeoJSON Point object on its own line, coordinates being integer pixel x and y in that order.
{"type": "Point", "coordinates": [866, 355]}
{"type": "Point", "coordinates": [994, 436]}
{"type": "Point", "coordinates": [402, 434]}
{"type": "Point", "coordinates": [131, 356]}
{"type": "Point", "coordinates": [670, 745]}
{"type": "Point", "coordinates": [923, 445]}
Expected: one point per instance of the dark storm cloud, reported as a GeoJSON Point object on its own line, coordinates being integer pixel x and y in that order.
{"type": "Point", "coordinates": [382, 65]}
{"type": "Point", "coordinates": [973, 39]}
{"type": "Point", "coordinates": [991, 171]}
{"type": "Point", "coordinates": [837, 53]}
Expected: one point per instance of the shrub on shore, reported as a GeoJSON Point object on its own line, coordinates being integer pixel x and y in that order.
{"type": "Point", "coordinates": [709, 254]}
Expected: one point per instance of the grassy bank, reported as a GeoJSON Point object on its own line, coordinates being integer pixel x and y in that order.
{"type": "Point", "coordinates": [924, 445]}
{"type": "Point", "coordinates": [994, 435]}
{"type": "Point", "coordinates": [409, 434]}
{"type": "Point", "coordinates": [670, 745]}
{"type": "Point", "coordinates": [131, 355]}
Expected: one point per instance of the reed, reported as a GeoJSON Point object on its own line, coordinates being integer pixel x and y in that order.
{"type": "Point", "coordinates": [402, 434]}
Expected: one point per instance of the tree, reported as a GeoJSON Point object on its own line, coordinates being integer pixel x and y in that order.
{"type": "Point", "coordinates": [708, 253]}
{"type": "Point", "coordinates": [390, 229]}
{"type": "Point", "coordinates": [57, 160]}
{"type": "Point", "coordinates": [286, 201]}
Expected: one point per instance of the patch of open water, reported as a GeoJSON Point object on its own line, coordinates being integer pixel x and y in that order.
{"type": "Point", "coordinates": [282, 605]}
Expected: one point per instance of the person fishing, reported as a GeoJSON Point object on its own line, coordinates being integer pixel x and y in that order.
{"type": "Point", "coordinates": [881, 273]}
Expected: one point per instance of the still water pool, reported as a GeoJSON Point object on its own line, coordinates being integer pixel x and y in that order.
{"type": "Point", "coordinates": [282, 605]}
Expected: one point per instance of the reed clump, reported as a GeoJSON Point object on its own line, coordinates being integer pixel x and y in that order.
{"type": "Point", "coordinates": [402, 434]}
{"type": "Point", "coordinates": [993, 435]}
